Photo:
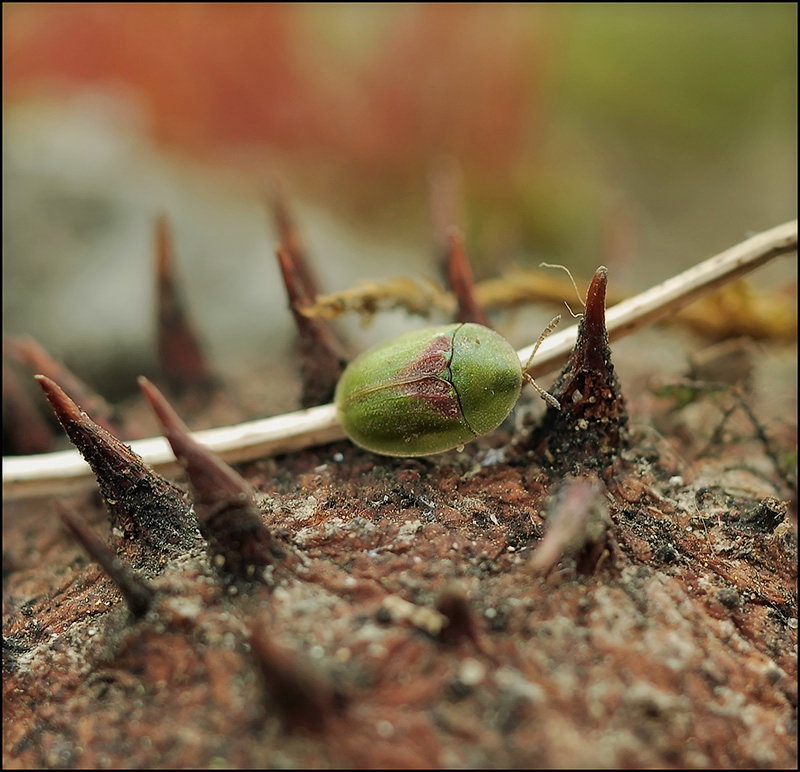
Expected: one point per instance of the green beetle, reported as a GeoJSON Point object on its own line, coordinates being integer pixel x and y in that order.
{"type": "Point", "coordinates": [429, 390]}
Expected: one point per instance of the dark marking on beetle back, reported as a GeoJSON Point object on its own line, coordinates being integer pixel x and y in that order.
{"type": "Point", "coordinates": [429, 378]}
{"type": "Point", "coordinates": [433, 361]}
{"type": "Point", "coordinates": [439, 394]}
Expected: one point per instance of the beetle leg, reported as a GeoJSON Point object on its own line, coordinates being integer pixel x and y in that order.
{"type": "Point", "coordinates": [547, 397]}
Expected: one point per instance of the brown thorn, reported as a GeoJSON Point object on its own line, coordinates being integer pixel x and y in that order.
{"type": "Point", "coordinates": [152, 514]}
{"type": "Point", "coordinates": [594, 338]}
{"type": "Point", "coordinates": [577, 526]}
{"type": "Point", "coordinates": [461, 283]}
{"type": "Point", "coordinates": [288, 236]}
{"type": "Point", "coordinates": [298, 297]}
{"type": "Point", "coordinates": [321, 360]}
{"type": "Point", "coordinates": [29, 352]}
{"type": "Point", "coordinates": [591, 352]}
{"type": "Point", "coordinates": [301, 696]}
{"type": "Point", "coordinates": [24, 427]}
{"type": "Point", "coordinates": [211, 478]}
{"type": "Point", "coordinates": [136, 591]}
{"type": "Point", "coordinates": [461, 625]}
{"type": "Point", "coordinates": [180, 355]}
{"type": "Point", "coordinates": [589, 428]}
{"type": "Point", "coordinates": [224, 501]}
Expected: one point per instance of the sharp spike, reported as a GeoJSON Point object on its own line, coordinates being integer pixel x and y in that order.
{"type": "Point", "coordinates": [454, 605]}
{"type": "Point", "coordinates": [224, 501]}
{"type": "Point", "coordinates": [136, 591]}
{"type": "Point", "coordinates": [461, 283]}
{"type": "Point", "coordinates": [29, 352]}
{"type": "Point", "coordinates": [589, 427]}
{"type": "Point", "coordinates": [593, 340]}
{"type": "Point", "coordinates": [321, 360]}
{"type": "Point", "coordinates": [211, 477]}
{"type": "Point", "coordinates": [180, 355]}
{"type": "Point", "coordinates": [151, 513]}
{"type": "Point", "coordinates": [577, 526]}
{"type": "Point", "coordinates": [289, 236]}
{"type": "Point", "coordinates": [24, 427]}
{"type": "Point", "coordinates": [301, 696]}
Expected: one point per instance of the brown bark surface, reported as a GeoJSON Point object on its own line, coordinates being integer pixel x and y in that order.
{"type": "Point", "coordinates": [413, 626]}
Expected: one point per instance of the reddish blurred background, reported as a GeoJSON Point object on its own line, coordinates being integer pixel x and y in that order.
{"type": "Point", "coordinates": [225, 80]}
{"type": "Point", "coordinates": [643, 136]}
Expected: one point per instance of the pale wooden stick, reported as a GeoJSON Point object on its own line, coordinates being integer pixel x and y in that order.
{"type": "Point", "coordinates": [65, 472]}
{"type": "Point", "coordinates": [673, 294]}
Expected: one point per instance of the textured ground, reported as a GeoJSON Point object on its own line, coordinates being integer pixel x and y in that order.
{"type": "Point", "coordinates": [414, 622]}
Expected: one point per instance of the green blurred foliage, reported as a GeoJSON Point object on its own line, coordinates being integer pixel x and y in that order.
{"type": "Point", "coordinates": [680, 80]}
{"type": "Point", "coordinates": [659, 118]}
{"type": "Point", "coordinates": [642, 136]}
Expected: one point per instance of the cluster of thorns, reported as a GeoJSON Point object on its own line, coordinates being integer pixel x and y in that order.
{"type": "Point", "coordinates": [152, 520]}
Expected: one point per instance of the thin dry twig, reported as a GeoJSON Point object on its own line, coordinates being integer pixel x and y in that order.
{"type": "Point", "coordinates": [64, 472]}
{"type": "Point", "coordinates": [415, 296]}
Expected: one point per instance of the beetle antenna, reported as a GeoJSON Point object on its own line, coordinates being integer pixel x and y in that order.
{"type": "Point", "coordinates": [546, 396]}
{"type": "Point", "coordinates": [571, 278]}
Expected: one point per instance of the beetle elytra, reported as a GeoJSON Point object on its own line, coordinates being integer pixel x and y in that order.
{"type": "Point", "coordinates": [430, 390]}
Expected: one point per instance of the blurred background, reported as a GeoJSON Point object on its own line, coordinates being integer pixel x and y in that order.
{"type": "Point", "coordinates": [645, 137]}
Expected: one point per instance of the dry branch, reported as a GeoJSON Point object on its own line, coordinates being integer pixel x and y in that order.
{"type": "Point", "coordinates": [63, 472]}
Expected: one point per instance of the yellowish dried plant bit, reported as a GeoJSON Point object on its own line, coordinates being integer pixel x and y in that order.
{"type": "Point", "coordinates": [521, 287]}
{"type": "Point", "coordinates": [738, 309]}
{"type": "Point", "coordinates": [547, 397]}
{"type": "Point", "coordinates": [416, 296]}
